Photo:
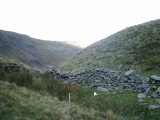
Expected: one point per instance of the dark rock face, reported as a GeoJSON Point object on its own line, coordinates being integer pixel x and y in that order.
{"type": "Point", "coordinates": [105, 78]}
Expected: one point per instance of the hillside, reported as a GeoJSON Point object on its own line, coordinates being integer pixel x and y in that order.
{"type": "Point", "coordinates": [34, 52]}
{"type": "Point", "coordinates": [135, 47]}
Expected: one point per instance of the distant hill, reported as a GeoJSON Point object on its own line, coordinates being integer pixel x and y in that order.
{"type": "Point", "coordinates": [34, 52]}
{"type": "Point", "coordinates": [136, 47]}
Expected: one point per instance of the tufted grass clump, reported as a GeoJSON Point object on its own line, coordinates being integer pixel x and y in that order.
{"type": "Point", "coordinates": [20, 78]}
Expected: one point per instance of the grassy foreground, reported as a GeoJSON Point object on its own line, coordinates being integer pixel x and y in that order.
{"type": "Point", "coordinates": [48, 100]}
{"type": "Point", "coordinates": [19, 103]}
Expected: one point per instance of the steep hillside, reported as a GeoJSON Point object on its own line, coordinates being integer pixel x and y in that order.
{"type": "Point", "coordinates": [34, 52]}
{"type": "Point", "coordinates": [136, 47]}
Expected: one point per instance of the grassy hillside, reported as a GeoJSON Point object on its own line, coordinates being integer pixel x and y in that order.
{"type": "Point", "coordinates": [34, 52]}
{"type": "Point", "coordinates": [135, 47]}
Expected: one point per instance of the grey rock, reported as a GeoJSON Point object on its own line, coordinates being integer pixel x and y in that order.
{"type": "Point", "coordinates": [149, 97]}
{"type": "Point", "coordinates": [154, 87]}
{"type": "Point", "coordinates": [110, 89]}
{"type": "Point", "coordinates": [140, 100]}
{"type": "Point", "coordinates": [142, 78]}
{"type": "Point", "coordinates": [153, 82]}
{"type": "Point", "coordinates": [147, 90]}
{"type": "Point", "coordinates": [129, 72]}
{"type": "Point", "coordinates": [156, 78]}
{"type": "Point", "coordinates": [154, 95]}
{"type": "Point", "coordinates": [94, 85]}
{"type": "Point", "coordinates": [153, 107]}
{"type": "Point", "coordinates": [141, 96]}
{"type": "Point", "coordinates": [97, 81]}
{"type": "Point", "coordinates": [102, 89]}
{"type": "Point", "coordinates": [79, 81]}
{"type": "Point", "coordinates": [109, 80]}
{"type": "Point", "coordinates": [158, 100]}
{"type": "Point", "coordinates": [146, 79]}
{"type": "Point", "coordinates": [158, 90]}
{"type": "Point", "coordinates": [117, 88]}
{"type": "Point", "coordinates": [65, 82]}
{"type": "Point", "coordinates": [144, 86]}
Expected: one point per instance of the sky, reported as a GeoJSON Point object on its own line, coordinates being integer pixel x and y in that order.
{"type": "Point", "coordinates": [74, 20]}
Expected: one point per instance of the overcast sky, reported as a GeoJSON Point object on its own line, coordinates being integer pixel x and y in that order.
{"type": "Point", "coordinates": [75, 20]}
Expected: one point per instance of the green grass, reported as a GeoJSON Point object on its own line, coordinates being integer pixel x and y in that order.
{"type": "Point", "coordinates": [19, 103]}
{"type": "Point", "coordinates": [46, 99]}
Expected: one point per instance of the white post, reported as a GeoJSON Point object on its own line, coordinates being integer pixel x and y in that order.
{"type": "Point", "coordinates": [69, 97]}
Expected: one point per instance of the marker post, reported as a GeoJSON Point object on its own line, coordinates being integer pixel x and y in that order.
{"type": "Point", "coordinates": [69, 89]}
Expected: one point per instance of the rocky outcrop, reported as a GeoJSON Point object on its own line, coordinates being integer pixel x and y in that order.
{"type": "Point", "coordinates": [10, 67]}
{"type": "Point", "coordinates": [109, 80]}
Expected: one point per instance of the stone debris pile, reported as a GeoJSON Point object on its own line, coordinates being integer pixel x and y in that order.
{"type": "Point", "coordinates": [108, 80]}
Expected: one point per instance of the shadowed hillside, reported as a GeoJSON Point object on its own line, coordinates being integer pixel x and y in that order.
{"type": "Point", "coordinates": [34, 52]}
{"type": "Point", "coordinates": [136, 47]}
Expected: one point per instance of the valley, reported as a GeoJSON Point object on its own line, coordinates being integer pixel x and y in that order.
{"type": "Point", "coordinates": [123, 70]}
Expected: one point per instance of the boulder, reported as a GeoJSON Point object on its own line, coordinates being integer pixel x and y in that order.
{"type": "Point", "coordinates": [129, 72]}
{"type": "Point", "coordinates": [97, 81]}
{"type": "Point", "coordinates": [153, 107]}
{"type": "Point", "coordinates": [140, 100]}
{"type": "Point", "coordinates": [158, 100]}
{"type": "Point", "coordinates": [154, 95]}
{"type": "Point", "coordinates": [141, 96]}
{"type": "Point", "coordinates": [156, 78]}
{"type": "Point", "coordinates": [158, 90]}
{"type": "Point", "coordinates": [102, 89]}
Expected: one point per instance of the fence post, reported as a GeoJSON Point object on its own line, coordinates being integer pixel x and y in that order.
{"type": "Point", "coordinates": [69, 89]}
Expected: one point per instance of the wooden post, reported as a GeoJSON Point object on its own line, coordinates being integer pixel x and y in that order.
{"type": "Point", "coordinates": [69, 97]}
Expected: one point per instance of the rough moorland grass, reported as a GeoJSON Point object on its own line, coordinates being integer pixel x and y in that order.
{"type": "Point", "coordinates": [120, 106]}
{"type": "Point", "coordinates": [19, 103]}
{"type": "Point", "coordinates": [20, 78]}
{"type": "Point", "coordinates": [123, 104]}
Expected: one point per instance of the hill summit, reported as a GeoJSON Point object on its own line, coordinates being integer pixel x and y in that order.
{"type": "Point", "coordinates": [136, 47]}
